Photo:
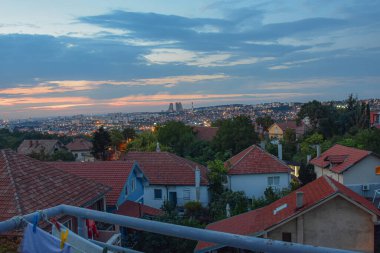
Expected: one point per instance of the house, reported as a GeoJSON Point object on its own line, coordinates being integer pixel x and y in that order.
{"type": "Point", "coordinates": [27, 185]}
{"type": "Point", "coordinates": [322, 213]}
{"type": "Point", "coordinates": [355, 168]}
{"type": "Point", "coordinates": [171, 178]}
{"type": "Point", "coordinates": [277, 130]}
{"type": "Point", "coordinates": [125, 177]}
{"type": "Point", "coordinates": [204, 133]}
{"type": "Point", "coordinates": [81, 149]}
{"type": "Point", "coordinates": [375, 119]}
{"type": "Point", "coordinates": [48, 147]}
{"type": "Point", "coordinates": [253, 170]}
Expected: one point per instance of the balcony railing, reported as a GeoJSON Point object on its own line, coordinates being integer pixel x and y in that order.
{"type": "Point", "coordinates": [221, 238]}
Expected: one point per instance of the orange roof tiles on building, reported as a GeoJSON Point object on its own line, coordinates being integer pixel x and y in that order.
{"type": "Point", "coordinates": [79, 145]}
{"type": "Point", "coordinates": [27, 185]}
{"type": "Point", "coordinates": [205, 133]}
{"type": "Point", "coordinates": [137, 210]}
{"type": "Point", "coordinates": [111, 173]}
{"type": "Point", "coordinates": [340, 157]}
{"type": "Point", "coordinates": [164, 168]}
{"type": "Point", "coordinates": [257, 221]}
{"type": "Point", "coordinates": [254, 160]}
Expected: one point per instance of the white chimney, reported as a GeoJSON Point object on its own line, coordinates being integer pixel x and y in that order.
{"type": "Point", "coordinates": [228, 210]}
{"type": "Point", "coordinates": [279, 151]}
{"type": "Point", "coordinates": [262, 145]}
{"type": "Point", "coordinates": [318, 150]}
{"type": "Point", "coordinates": [299, 199]}
{"type": "Point", "coordinates": [308, 158]}
{"type": "Point", "coordinates": [158, 147]}
{"type": "Point", "coordinates": [197, 183]}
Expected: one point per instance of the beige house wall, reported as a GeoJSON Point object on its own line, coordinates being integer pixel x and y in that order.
{"type": "Point", "coordinates": [275, 132]}
{"type": "Point", "coordinates": [337, 224]}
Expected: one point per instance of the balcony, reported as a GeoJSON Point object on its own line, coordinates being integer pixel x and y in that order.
{"type": "Point", "coordinates": [226, 239]}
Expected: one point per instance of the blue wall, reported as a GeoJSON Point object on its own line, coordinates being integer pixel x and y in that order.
{"type": "Point", "coordinates": [139, 189]}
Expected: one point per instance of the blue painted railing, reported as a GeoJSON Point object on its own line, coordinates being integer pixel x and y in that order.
{"type": "Point", "coordinates": [226, 239]}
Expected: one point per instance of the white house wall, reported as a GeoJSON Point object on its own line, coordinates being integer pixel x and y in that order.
{"type": "Point", "coordinates": [364, 172]}
{"type": "Point", "coordinates": [254, 185]}
{"type": "Point", "coordinates": [157, 203]}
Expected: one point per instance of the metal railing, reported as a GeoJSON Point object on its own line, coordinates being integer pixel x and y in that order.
{"type": "Point", "coordinates": [221, 238]}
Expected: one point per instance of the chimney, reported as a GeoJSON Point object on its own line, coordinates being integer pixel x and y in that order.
{"type": "Point", "coordinates": [318, 150]}
{"type": "Point", "coordinates": [262, 145]}
{"type": "Point", "coordinates": [197, 183]}
{"type": "Point", "coordinates": [308, 158]}
{"type": "Point", "coordinates": [158, 147]}
{"type": "Point", "coordinates": [299, 199]}
{"type": "Point", "coordinates": [279, 151]}
{"type": "Point", "coordinates": [228, 210]}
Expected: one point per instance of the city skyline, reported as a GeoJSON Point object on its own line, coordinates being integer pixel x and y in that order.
{"type": "Point", "coordinates": [73, 57]}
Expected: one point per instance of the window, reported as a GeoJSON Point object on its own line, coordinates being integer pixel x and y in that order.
{"type": "Point", "coordinates": [68, 224]}
{"type": "Point", "coordinates": [133, 185]}
{"type": "Point", "coordinates": [378, 170]}
{"type": "Point", "coordinates": [157, 194]}
{"type": "Point", "coordinates": [186, 194]}
{"type": "Point", "coordinates": [287, 237]}
{"type": "Point", "coordinates": [274, 181]}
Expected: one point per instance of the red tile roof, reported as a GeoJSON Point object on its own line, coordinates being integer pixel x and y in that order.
{"type": "Point", "coordinates": [205, 133]}
{"type": "Point", "coordinates": [255, 160]}
{"type": "Point", "coordinates": [137, 210]}
{"type": "Point", "coordinates": [287, 124]}
{"type": "Point", "coordinates": [341, 158]}
{"type": "Point", "coordinates": [29, 146]}
{"type": "Point", "coordinates": [79, 144]}
{"type": "Point", "coordinates": [262, 219]}
{"type": "Point", "coordinates": [27, 185]}
{"type": "Point", "coordinates": [164, 168]}
{"type": "Point", "coordinates": [111, 173]}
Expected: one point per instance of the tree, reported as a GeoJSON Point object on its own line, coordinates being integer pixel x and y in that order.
{"type": "Point", "coordinates": [146, 141]}
{"type": "Point", "coordinates": [63, 155]}
{"type": "Point", "coordinates": [237, 201]}
{"type": "Point", "coordinates": [265, 122]}
{"type": "Point", "coordinates": [177, 136]}
{"type": "Point", "coordinates": [101, 142]}
{"type": "Point", "coordinates": [217, 177]}
{"type": "Point", "coordinates": [306, 173]}
{"type": "Point", "coordinates": [234, 135]}
{"type": "Point", "coordinates": [129, 134]}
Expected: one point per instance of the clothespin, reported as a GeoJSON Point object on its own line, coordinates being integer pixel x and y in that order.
{"type": "Point", "coordinates": [56, 224]}
{"type": "Point", "coordinates": [64, 236]}
{"type": "Point", "coordinates": [35, 222]}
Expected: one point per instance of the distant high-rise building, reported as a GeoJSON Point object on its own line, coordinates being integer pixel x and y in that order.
{"type": "Point", "coordinates": [178, 107]}
{"type": "Point", "coordinates": [171, 107]}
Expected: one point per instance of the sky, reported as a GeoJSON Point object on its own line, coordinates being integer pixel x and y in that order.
{"type": "Point", "coordinates": [89, 57]}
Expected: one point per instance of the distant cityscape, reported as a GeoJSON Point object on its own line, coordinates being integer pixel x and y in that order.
{"type": "Point", "coordinates": [142, 121]}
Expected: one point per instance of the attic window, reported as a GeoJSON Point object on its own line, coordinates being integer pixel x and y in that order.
{"type": "Point", "coordinates": [378, 170]}
{"type": "Point", "coordinates": [336, 159]}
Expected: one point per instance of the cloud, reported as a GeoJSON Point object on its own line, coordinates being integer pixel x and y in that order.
{"type": "Point", "coordinates": [61, 86]}
{"type": "Point", "coordinates": [200, 59]}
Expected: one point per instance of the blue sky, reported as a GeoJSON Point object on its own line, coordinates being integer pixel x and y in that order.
{"type": "Point", "coordinates": [70, 57]}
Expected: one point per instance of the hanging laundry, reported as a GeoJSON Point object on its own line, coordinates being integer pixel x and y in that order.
{"type": "Point", "coordinates": [41, 242]}
{"type": "Point", "coordinates": [91, 229]}
{"type": "Point", "coordinates": [78, 243]}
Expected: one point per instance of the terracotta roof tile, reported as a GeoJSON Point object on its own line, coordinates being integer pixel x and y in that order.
{"type": "Point", "coordinates": [205, 133]}
{"type": "Point", "coordinates": [260, 220]}
{"type": "Point", "coordinates": [79, 144]}
{"type": "Point", "coordinates": [164, 168]}
{"type": "Point", "coordinates": [27, 185]}
{"type": "Point", "coordinates": [137, 210]}
{"type": "Point", "coordinates": [255, 160]}
{"type": "Point", "coordinates": [111, 173]}
{"type": "Point", "coordinates": [341, 158]}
